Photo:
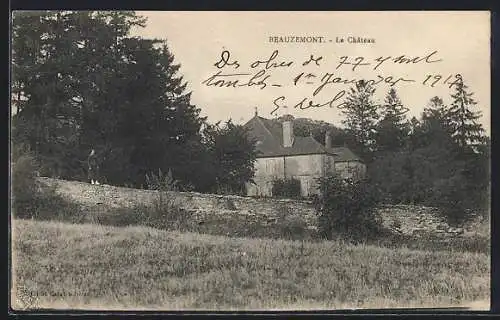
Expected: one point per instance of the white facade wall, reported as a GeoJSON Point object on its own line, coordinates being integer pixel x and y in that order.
{"type": "Point", "coordinates": [306, 168]}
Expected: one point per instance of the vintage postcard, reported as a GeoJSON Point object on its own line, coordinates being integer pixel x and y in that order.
{"type": "Point", "coordinates": [250, 160]}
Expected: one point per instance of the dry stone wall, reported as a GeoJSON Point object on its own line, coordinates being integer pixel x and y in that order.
{"type": "Point", "coordinates": [407, 220]}
{"type": "Point", "coordinates": [201, 206]}
{"type": "Point", "coordinates": [420, 221]}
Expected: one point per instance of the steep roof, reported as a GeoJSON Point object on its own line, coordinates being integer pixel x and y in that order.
{"type": "Point", "coordinates": [269, 134]}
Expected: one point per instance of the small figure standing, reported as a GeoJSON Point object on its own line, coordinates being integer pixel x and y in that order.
{"type": "Point", "coordinates": [93, 168]}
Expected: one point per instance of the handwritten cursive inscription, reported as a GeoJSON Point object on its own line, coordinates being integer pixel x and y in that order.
{"type": "Point", "coordinates": [307, 103]}
{"type": "Point", "coordinates": [225, 61]}
{"type": "Point", "coordinates": [259, 73]}
{"type": "Point", "coordinates": [232, 80]}
{"type": "Point", "coordinates": [271, 62]}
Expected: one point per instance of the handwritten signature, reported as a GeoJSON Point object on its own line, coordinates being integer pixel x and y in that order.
{"type": "Point", "coordinates": [307, 103]}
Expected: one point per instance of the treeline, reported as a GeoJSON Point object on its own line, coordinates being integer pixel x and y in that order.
{"type": "Point", "coordinates": [441, 159]}
{"type": "Point", "coordinates": [81, 81]}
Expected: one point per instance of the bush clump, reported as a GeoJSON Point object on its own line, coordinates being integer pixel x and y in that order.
{"type": "Point", "coordinates": [161, 181]}
{"type": "Point", "coordinates": [346, 209]}
{"type": "Point", "coordinates": [291, 225]}
{"type": "Point", "coordinates": [30, 199]}
{"type": "Point", "coordinates": [23, 180]}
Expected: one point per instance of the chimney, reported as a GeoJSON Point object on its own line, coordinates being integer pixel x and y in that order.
{"type": "Point", "coordinates": [328, 140]}
{"type": "Point", "coordinates": [288, 131]}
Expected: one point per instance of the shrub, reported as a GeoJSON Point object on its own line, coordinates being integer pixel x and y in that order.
{"type": "Point", "coordinates": [291, 225]}
{"type": "Point", "coordinates": [23, 180]}
{"type": "Point", "coordinates": [458, 200]}
{"type": "Point", "coordinates": [30, 199]}
{"type": "Point", "coordinates": [161, 181]}
{"type": "Point", "coordinates": [164, 212]}
{"type": "Point", "coordinates": [286, 188]}
{"type": "Point", "coordinates": [346, 208]}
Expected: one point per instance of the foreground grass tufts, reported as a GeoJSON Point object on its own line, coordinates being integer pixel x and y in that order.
{"type": "Point", "coordinates": [92, 266]}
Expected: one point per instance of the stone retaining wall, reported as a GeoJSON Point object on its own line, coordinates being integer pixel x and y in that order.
{"type": "Point", "coordinates": [406, 220]}
{"type": "Point", "coordinates": [201, 206]}
{"type": "Point", "coordinates": [417, 221]}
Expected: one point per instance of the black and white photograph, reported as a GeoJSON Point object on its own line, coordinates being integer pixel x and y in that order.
{"type": "Point", "coordinates": [249, 160]}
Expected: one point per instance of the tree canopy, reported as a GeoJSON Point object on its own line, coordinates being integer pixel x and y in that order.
{"type": "Point", "coordinates": [81, 82]}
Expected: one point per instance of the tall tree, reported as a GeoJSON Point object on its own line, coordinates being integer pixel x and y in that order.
{"type": "Point", "coordinates": [60, 68]}
{"type": "Point", "coordinates": [233, 156]}
{"type": "Point", "coordinates": [473, 150]}
{"type": "Point", "coordinates": [85, 82]}
{"type": "Point", "coordinates": [463, 119]}
{"type": "Point", "coordinates": [433, 128]}
{"type": "Point", "coordinates": [361, 118]}
{"type": "Point", "coordinates": [393, 129]}
{"type": "Point", "coordinates": [408, 175]}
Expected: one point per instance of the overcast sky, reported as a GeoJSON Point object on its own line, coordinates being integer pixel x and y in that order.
{"type": "Point", "coordinates": [197, 40]}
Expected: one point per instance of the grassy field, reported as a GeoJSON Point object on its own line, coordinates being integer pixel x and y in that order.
{"type": "Point", "coordinates": [61, 265]}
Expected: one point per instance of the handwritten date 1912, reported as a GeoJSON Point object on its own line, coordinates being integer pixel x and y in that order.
{"type": "Point", "coordinates": [307, 103]}
{"type": "Point", "coordinates": [452, 80]}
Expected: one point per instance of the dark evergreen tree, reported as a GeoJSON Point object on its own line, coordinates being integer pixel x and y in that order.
{"type": "Point", "coordinates": [393, 129]}
{"type": "Point", "coordinates": [463, 119]}
{"type": "Point", "coordinates": [433, 128]}
{"type": "Point", "coordinates": [361, 118]}
{"type": "Point", "coordinates": [83, 82]}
